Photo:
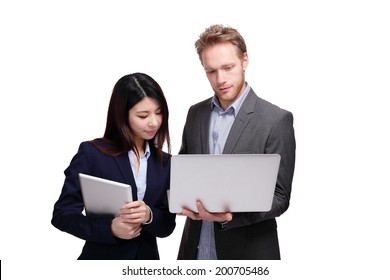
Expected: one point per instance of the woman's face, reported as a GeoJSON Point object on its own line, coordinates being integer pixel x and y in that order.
{"type": "Point", "coordinates": [145, 119]}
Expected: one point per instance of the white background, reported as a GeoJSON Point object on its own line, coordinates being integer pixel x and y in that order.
{"type": "Point", "coordinates": [328, 62]}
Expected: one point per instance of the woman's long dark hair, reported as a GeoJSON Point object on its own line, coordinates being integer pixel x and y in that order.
{"type": "Point", "coordinates": [128, 91]}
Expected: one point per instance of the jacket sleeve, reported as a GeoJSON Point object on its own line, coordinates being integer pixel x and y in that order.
{"type": "Point", "coordinates": [281, 140]}
{"type": "Point", "coordinates": [163, 222]}
{"type": "Point", "coordinates": [68, 214]}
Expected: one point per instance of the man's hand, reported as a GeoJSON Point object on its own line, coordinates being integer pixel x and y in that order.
{"type": "Point", "coordinates": [207, 216]}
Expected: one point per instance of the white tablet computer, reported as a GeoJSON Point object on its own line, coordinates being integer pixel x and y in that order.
{"type": "Point", "coordinates": [223, 183]}
{"type": "Point", "coordinates": [102, 196]}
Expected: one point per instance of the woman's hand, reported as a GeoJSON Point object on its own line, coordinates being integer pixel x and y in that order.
{"type": "Point", "coordinates": [125, 230]}
{"type": "Point", "coordinates": [136, 212]}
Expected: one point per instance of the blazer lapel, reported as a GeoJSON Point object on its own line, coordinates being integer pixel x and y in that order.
{"type": "Point", "coordinates": [243, 118]}
{"type": "Point", "coordinates": [204, 127]}
{"type": "Point", "coordinates": [124, 166]}
{"type": "Point", "coordinates": [152, 175]}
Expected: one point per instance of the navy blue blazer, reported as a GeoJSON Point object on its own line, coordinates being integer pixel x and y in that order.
{"type": "Point", "coordinates": [96, 230]}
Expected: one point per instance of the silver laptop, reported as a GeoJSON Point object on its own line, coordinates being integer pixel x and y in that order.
{"type": "Point", "coordinates": [102, 196]}
{"type": "Point", "coordinates": [223, 183]}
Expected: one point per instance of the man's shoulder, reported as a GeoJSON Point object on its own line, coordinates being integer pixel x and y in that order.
{"type": "Point", "coordinates": [200, 107]}
{"type": "Point", "coordinates": [265, 109]}
{"type": "Point", "coordinates": [271, 106]}
{"type": "Point", "coordinates": [202, 104]}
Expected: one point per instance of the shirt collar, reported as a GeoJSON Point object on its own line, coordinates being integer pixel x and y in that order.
{"type": "Point", "coordinates": [147, 151]}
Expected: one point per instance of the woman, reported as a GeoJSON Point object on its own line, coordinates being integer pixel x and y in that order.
{"type": "Point", "coordinates": [129, 152]}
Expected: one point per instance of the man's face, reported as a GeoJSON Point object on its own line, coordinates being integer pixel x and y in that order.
{"type": "Point", "coordinates": [225, 71]}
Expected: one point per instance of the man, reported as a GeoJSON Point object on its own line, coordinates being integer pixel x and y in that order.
{"type": "Point", "coordinates": [235, 120]}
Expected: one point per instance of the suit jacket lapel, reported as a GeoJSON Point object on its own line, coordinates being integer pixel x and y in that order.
{"type": "Point", "coordinates": [152, 175]}
{"type": "Point", "coordinates": [124, 166]}
{"type": "Point", "coordinates": [242, 119]}
{"type": "Point", "coordinates": [204, 126]}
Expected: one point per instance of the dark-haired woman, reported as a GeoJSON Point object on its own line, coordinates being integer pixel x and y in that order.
{"type": "Point", "coordinates": [131, 152]}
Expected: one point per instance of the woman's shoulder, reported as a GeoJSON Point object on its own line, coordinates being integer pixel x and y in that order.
{"type": "Point", "coordinates": [160, 154]}
{"type": "Point", "coordinates": [95, 145]}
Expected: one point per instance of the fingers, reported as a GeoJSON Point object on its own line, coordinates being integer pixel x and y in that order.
{"type": "Point", "coordinates": [132, 207]}
{"type": "Point", "coordinates": [201, 209]}
{"type": "Point", "coordinates": [135, 232]}
{"type": "Point", "coordinates": [207, 216]}
{"type": "Point", "coordinates": [228, 216]}
{"type": "Point", "coordinates": [125, 230]}
{"type": "Point", "coordinates": [135, 212]}
{"type": "Point", "coordinates": [212, 217]}
{"type": "Point", "coordinates": [190, 214]}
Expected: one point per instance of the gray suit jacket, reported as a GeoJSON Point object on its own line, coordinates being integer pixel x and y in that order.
{"type": "Point", "coordinates": [259, 128]}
